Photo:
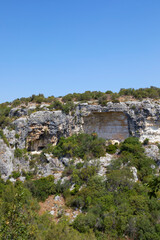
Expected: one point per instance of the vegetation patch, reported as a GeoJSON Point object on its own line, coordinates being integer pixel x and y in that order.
{"type": "Point", "coordinates": [4, 138]}
{"type": "Point", "coordinates": [83, 145]}
{"type": "Point", "coordinates": [19, 153]}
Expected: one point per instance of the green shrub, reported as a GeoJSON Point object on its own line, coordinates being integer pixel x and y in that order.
{"type": "Point", "coordinates": [42, 187]}
{"type": "Point", "coordinates": [81, 145]}
{"type": "Point", "coordinates": [17, 135]}
{"type": "Point", "coordinates": [50, 99]}
{"type": "Point", "coordinates": [68, 97]}
{"type": "Point", "coordinates": [15, 174]}
{"type": "Point", "coordinates": [17, 218]}
{"type": "Point", "coordinates": [111, 148]}
{"type": "Point", "coordinates": [4, 138]}
{"type": "Point", "coordinates": [132, 145]}
{"type": "Point", "coordinates": [84, 222]}
{"type": "Point", "coordinates": [146, 141]}
{"type": "Point", "coordinates": [19, 153]}
{"type": "Point", "coordinates": [152, 92]}
{"type": "Point", "coordinates": [27, 175]}
{"type": "Point", "coordinates": [48, 149]}
{"type": "Point", "coordinates": [38, 98]}
{"type": "Point", "coordinates": [133, 107]}
{"type": "Point", "coordinates": [87, 172]}
{"type": "Point", "coordinates": [16, 102]}
{"type": "Point", "coordinates": [103, 100]}
{"type": "Point", "coordinates": [115, 101]}
{"type": "Point", "coordinates": [132, 154]}
{"type": "Point", "coordinates": [69, 106]}
{"type": "Point", "coordinates": [79, 165]}
{"type": "Point", "coordinates": [4, 115]}
{"type": "Point", "coordinates": [109, 92]}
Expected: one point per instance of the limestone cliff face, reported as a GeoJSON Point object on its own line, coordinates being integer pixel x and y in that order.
{"type": "Point", "coordinates": [120, 120]}
{"type": "Point", "coordinates": [42, 128]}
{"type": "Point", "coordinates": [115, 121]}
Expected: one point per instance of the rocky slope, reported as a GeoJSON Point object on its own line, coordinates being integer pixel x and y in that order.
{"type": "Point", "coordinates": [33, 131]}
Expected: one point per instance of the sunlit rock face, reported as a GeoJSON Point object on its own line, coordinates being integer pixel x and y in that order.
{"type": "Point", "coordinates": [6, 159]}
{"type": "Point", "coordinates": [135, 118]}
{"type": "Point", "coordinates": [151, 130]}
{"type": "Point", "coordinates": [108, 125]}
{"type": "Point", "coordinates": [115, 121]}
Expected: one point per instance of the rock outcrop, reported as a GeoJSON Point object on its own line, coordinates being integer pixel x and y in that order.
{"type": "Point", "coordinates": [120, 120]}
{"type": "Point", "coordinates": [42, 128]}
{"type": "Point", "coordinates": [115, 121]}
{"type": "Point", "coordinates": [6, 159]}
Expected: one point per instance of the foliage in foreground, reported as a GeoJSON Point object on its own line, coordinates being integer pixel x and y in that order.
{"type": "Point", "coordinates": [113, 206]}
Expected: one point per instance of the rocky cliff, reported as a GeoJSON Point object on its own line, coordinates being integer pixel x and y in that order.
{"type": "Point", "coordinates": [115, 121]}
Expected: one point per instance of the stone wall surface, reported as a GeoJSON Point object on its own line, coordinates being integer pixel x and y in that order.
{"type": "Point", "coordinates": [108, 125]}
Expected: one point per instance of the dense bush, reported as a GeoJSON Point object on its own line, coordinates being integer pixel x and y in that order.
{"type": "Point", "coordinates": [152, 92]}
{"type": "Point", "coordinates": [4, 115]}
{"type": "Point", "coordinates": [56, 105]}
{"type": "Point", "coordinates": [81, 145]}
{"type": "Point", "coordinates": [132, 153]}
{"type": "Point", "coordinates": [18, 214]}
{"type": "Point", "coordinates": [42, 187]}
{"type": "Point", "coordinates": [15, 174]}
{"type": "Point", "coordinates": [102, 97]}
{"type": "Point", "coordinates": [4, 138]}
{"type": "Point", "coordinates": [111, 148]}
{"type": "Point", "coordinates": [114, 206]}
{"type": "Point", "coordinates": [154, 185]}
{"type": "Point", "coordinates": [69, 106]}
{"type": "Point", "coordinates": [19, 218]}
{"type": "Point", "coordinates": [146, 141]}
{"type": "Point", "coordinates": [66, 107]}
{"type": "Point", "coordinates": [103, 100]}
{"type": "Point", "coordinates": [61, 231]}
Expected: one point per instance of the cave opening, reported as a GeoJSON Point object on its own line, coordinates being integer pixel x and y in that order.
{"type": "Point", "coordinates": [40, 143]}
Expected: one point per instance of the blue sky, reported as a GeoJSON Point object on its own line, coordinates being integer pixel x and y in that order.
{"type": "Point", "coordinates": [57, 47]}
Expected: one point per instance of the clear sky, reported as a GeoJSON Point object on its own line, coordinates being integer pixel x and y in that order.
{"type": "Point", "coordinates": [57, 47]}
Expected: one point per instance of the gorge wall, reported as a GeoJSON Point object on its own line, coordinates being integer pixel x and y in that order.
{"type": "Point", "coordinates": [115, 121]}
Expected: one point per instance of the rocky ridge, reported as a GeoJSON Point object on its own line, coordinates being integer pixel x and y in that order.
{"type": "Point", "coordinates": [115, 121]}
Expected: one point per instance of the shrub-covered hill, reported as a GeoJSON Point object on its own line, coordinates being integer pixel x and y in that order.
{"type": "Point", "coordinates": [109, 189]}
{"type": "Point", "coordinates": [121, 203]}
{"type": "Point", "coordinates": [98, 96]}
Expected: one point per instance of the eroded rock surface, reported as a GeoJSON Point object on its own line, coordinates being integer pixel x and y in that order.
{"type": "Point", "coordinates": [6, 159]}
{"type": "Point", "coordinates": [153, 151]}
{"type": "Point", "coordinates": [115, 121]}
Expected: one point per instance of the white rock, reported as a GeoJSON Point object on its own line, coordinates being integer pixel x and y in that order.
{"type": "Point", "coordinates": [57, 198]}
{"type": "Point", "coordinates": [67, 214]}
{"type": "Point", "coordinates": [72, 187]}
{"type": "Point", "coordinates": [13, 180]}
{"type": "Point", "coordinates": [22, 179]}
{"type": "Point", "coordinates": [152, 151]}
{"type": "Point", "coordinates": [134, 171]}
{"type": "Point", "coordinates": [52, 212]}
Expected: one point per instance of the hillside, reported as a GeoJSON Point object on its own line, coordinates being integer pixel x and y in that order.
{"type": "Point", "coordinates": [90, 160]}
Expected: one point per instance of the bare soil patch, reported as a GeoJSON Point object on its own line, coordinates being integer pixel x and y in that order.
{"type": "Point", "coordinates": [55, 205]}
